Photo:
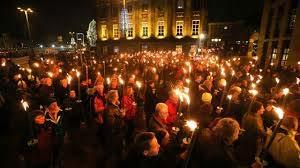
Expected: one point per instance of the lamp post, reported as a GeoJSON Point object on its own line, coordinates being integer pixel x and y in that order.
{"type": "Point", "coordinates": [26, 11]}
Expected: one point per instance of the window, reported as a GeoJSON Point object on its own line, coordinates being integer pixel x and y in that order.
{"type": "Point", "coordinates": [145, 29]}
{"type": "Point", "coordinates": [285, 56]}
{"type": "Point", "coordinates": [180, 4]}
{"type": "Point", "coordinates": [160, 28]}
{"type": "Point", "coordinates": [116, 49]}
{"type": "Point", "coordinates": [145, 5]}
{"type": "Point", "coordinates": [179, 28]}
{"type": "Point", "coordinates": [195, 27]}
{"type": "Point", "coordinates": [130, 31]}
{"type": "Point", "coordinates": [104, 31]}
{"type": "Point", "coordinates": [179, 48]}
{"type": "Point", "coordinates": [115, 31]}
{"type": "Point", "coordinates": [274, 55]}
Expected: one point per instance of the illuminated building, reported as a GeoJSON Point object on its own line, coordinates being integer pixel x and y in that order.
{"type": "Point", "coordinates": [279, 36]}
{"type": "Point", "coordinates": [151, 24]}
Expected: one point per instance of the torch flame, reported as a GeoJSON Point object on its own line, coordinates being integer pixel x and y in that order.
{"type": "Point", "coordinates": [191, 124]}
{"type": "Point", "coordinates": [279, 112]}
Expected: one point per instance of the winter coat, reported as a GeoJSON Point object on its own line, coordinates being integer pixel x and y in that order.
{"type": "Point", "coordinates": [156, 123]}
{"type": "Point", "coordinates": [210, 152]}
{"type": "Point", "coordinates": [285, 150]}
{"type": "Point", "coordinates": [172, 109]}
{"type": "Point", "coordinates": [128, 103]}
{"type": "Point", "coordinates": [99, 106]}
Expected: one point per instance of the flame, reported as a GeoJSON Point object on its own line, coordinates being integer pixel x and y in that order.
{"type": "Point", "coordinates": [24, 104]}
{"type": "Point", "coordinates": [279, 112]}
{"type": "Point", "coordinates": [191, 124]}
{"type": "Point", "coordinates": [286, 91]}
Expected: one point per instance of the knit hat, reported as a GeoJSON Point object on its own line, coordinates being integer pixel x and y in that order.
{"type": "Point", "coordinates": [222, 82]}
{"type": "Point", "coordinates": [206, 97]}
{"type": "Point", "coordinates": [50, 101]}
{"type": "Point", "coordinates": [36, 113]}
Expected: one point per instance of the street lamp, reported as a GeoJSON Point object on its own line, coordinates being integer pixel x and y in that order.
{"type": "Point", "coordinates": [26, 11]}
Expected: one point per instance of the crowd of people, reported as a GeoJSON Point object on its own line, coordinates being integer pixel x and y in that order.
{"type": "Point", "coordinates": [142, 106]}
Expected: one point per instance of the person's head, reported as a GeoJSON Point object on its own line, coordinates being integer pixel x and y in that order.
{"type": "Point", "coordinates": [99, 88]}
{"type": "Point", "coordinates": [72, 94]}
{"type": "Point", "coordinates": [257, 108]}
{"type": "Point", "coordinates": [206, 98]}
{"type": "Point", "coordinates": [163, 137]}
{"type": "Point", "coordinates": [146, 144]}
{"type": "Point", "coordinates": [151, 84]}
{"type": "Point", "coordinates": [235, 92]}
{"type": "Point", "coordinates": [114, 83]}
{"type": "Point", "coordinates": [52, 105]}
{"type": "Point", "coordinates": [161, 110]}
{"type": "Point", "coordinates": [290, 123]}
{"type": "Point", "coordinates": [222, 83]}
{"type": "Point", "coordinates": [129, 90]}
{"type": "Point", "coordinates": [48, 81]}
{"type": "Point", "coordinates": [227, 130]}
{"type": "Point", "coordinates": [208, 84]}
{"type": "Point", "coordinates": [113, 97]}
{"type": "Point", "coordinates": [173, 96]}
{"type": "Point", "coordinates": [64, 83]}
{"type": "Point", "coordinates": [39, 117]}
{"type": "Point", "coordinates": [270, 104]}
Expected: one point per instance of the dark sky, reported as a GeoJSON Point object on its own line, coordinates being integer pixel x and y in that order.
{"type": "Point", "coordinates": [55, 17]}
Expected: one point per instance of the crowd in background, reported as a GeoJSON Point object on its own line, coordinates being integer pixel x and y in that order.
{"type": "Point", "coordinates": [140, 103]}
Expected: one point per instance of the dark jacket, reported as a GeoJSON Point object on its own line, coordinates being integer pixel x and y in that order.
{"type": "Point", "coordinates": [156, 123]}
{"type": "Point", "coordinates": [210, 152]}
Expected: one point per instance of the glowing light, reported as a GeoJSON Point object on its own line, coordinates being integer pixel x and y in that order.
{"type": "Point", "coordinates": [191, 124]}
{"type": "Point", "coordinates": [188, 81]}
{"type": "Point", "coordinates": [36, 64]}
{"type": "Point", "coordinates": [229, 97]}
{"type": "Point", "coordinates": [108, 80]}
{"type": "Point", "coordinates": [24, 104]}
{"type": "Point", "coordinates": [279, 112]}
{"type": "Point", "coordinates": [77, 74]}
{"type": "Point", "coordinates": [138, 84]}
{"type": "Point", "coordinates": [3, 64]}
{"type": "Point", "coordinates": [286, 91]}
{"type": "Point", "coordinates": [297, 81]}
{"type": "Point", "coordinates": [69, 78]}
{"type": "Point", "coordinates": [253, 92]}
{"type": "Point", "coordinates": [50, 74]}
{"type": "Point", "coordinates": [277, 80]}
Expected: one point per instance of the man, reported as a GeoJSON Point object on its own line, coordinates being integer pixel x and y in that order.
{"type": "Point", "coordinates": [54, 121]}
{"type": "Point", "coordinates": [158, 120]}
{"type": "Point", "coordinates": [285, 149]}
{"type": "Point", "coordinates": [114, 125]}
{"type": "Point", "coordinates": [61, 91]}
{"type": "Point", "coordinates": [144, 153]}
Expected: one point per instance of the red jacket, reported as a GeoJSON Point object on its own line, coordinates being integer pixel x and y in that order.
{"type": "Point", "coordinates": [172, 109]}
{"type": "Point", "coordinates": [99, 104]}
{"type": "Point", "coordinates": [129, 105]}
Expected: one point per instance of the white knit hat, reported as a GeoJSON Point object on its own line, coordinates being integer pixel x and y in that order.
{"type": "Point", "coordinates": [206, 97]}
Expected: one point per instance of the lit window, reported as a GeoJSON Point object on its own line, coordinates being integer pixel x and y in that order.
{"type": "Point", "coordinates": [180, 4]}
{"type": "Point", "coordinates": [145, 29]}
{"type": "Point", "coordinates": [130, 30]}
{"type": "Point", "coordinates": [285, 56]}
{"type": "Point", "coordinates": [161, 28]}
{"type": "Point", "coordinates": [115, 31]}
{"type": "Point", "coordinates": [179, 28]}
{"type": "Point", "coordinates": [104, 31]}
{"type": "Point", "coordinates": [195, 27]}
{"type": "Point", "coordinates": [225, 27]}
{"type": "Point", "coordinates": [274, 55]}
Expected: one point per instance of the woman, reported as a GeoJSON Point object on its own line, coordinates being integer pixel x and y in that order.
{"type": "Point", "coordinates": [130, 108]}
{"type": "Point", "coordinates": [251, 142]}
{"type": "Point", "coordinates": [99, 104]}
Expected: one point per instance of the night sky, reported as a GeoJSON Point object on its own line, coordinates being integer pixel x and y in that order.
{"type": "Point", "coordinates": [58, 17]}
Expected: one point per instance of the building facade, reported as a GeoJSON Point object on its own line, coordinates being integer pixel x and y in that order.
{"type": "Point", "coordinates": [231, 38]}
{"type": "Point", "coordinates": [279, 37]}
{"type": "Point", "coordinates": [150, 24]}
